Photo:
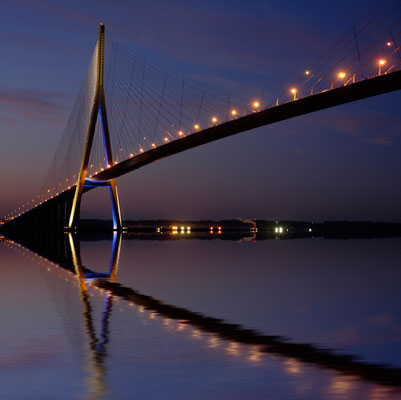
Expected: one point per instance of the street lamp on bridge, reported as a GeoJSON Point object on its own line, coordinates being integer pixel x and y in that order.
{"type": "Point", "coordinates": [382, 61]}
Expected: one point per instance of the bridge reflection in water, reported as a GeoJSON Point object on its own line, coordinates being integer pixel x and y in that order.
{"type": "Point", "coordinates": [64, 252]}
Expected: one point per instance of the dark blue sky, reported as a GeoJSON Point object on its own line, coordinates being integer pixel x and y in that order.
{"type": "Point", "coordinates": [342, 163]}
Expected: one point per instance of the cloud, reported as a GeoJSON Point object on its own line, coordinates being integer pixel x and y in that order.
{"type": "Point", "coordinates": [381, 141]}
{"type": "Point", "coordinates": [207, 35]}
{"type": "Point", "coordinates": [364, 125]}
{"type": "Point", "coordinates": [54, 9]}
{"type": "Point", "coordinates": [7, 121]}
{"type": "Point", "coordinates": [33, 105]}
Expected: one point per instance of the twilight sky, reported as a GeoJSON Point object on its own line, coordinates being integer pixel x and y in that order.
{"type": "Point", "coordinates": [342, 163]}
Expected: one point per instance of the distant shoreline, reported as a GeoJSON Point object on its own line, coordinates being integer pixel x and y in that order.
{"type": "Point", "coordinates": [234, 229]}
{"type": "Point", "coordinates": [256, 228]}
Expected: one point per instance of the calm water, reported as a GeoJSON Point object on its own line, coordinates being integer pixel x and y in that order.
{"type": "Point", "coordinates": [69, 334]}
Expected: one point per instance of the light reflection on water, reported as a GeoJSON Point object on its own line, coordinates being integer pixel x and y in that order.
{"type": "Point", "coordinates": [126, 341]}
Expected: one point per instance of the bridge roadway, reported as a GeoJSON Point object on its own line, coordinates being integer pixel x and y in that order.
{"type": "Point", "coordinates": [330, 98]}
{"type": "Point", "coordinates": [54, 212]}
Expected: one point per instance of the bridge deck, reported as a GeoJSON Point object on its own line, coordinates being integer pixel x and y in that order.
{"type": "Point", "coordinates": [334, 97]}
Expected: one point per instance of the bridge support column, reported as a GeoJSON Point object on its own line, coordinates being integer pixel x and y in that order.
{"type": "Point", "coordinates": [98, 109]}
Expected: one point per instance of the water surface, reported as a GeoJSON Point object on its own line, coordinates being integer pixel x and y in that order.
{"type": "Point", "coordinates": [202, 319]}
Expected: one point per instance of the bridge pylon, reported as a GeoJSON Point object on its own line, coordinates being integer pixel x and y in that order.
{"type": "Point", "coordinates": [98, 110]}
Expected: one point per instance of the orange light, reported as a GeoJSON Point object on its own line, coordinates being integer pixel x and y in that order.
{"type": "Point", "coordinates": [214, 119]}
{"type": "Point", "coordinates": [293, 91]}
{"type": "Point", "coordinates": [342, 75]}
{"type": "Point", "coordinates": [153, 145]}
{"type": "Point", "coordinates": [234, 112]}
{"type": "Point", "coordinates": [382, 61]}
{"type": "Point", "coordinates": [131, 155]}
{"type": "Point", "coordinates": [166, 139]}
{"type": "Point", "coordinates": [388, 43]}
{"type": "Point", "coordinates": [196, 126]}
{"type": "Point", "coordinates": [307, 72]}
{"type": "Point", "coordinates": [256, 104]}
{"type": "Point", "coordinates": [180, 133]}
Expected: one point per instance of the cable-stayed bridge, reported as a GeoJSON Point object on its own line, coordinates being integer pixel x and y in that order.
{"type": "Point", "coordinates": [136, 112]}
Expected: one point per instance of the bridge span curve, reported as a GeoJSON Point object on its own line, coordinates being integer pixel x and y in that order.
{"type": "Point", "coordinates": [320, 101]}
